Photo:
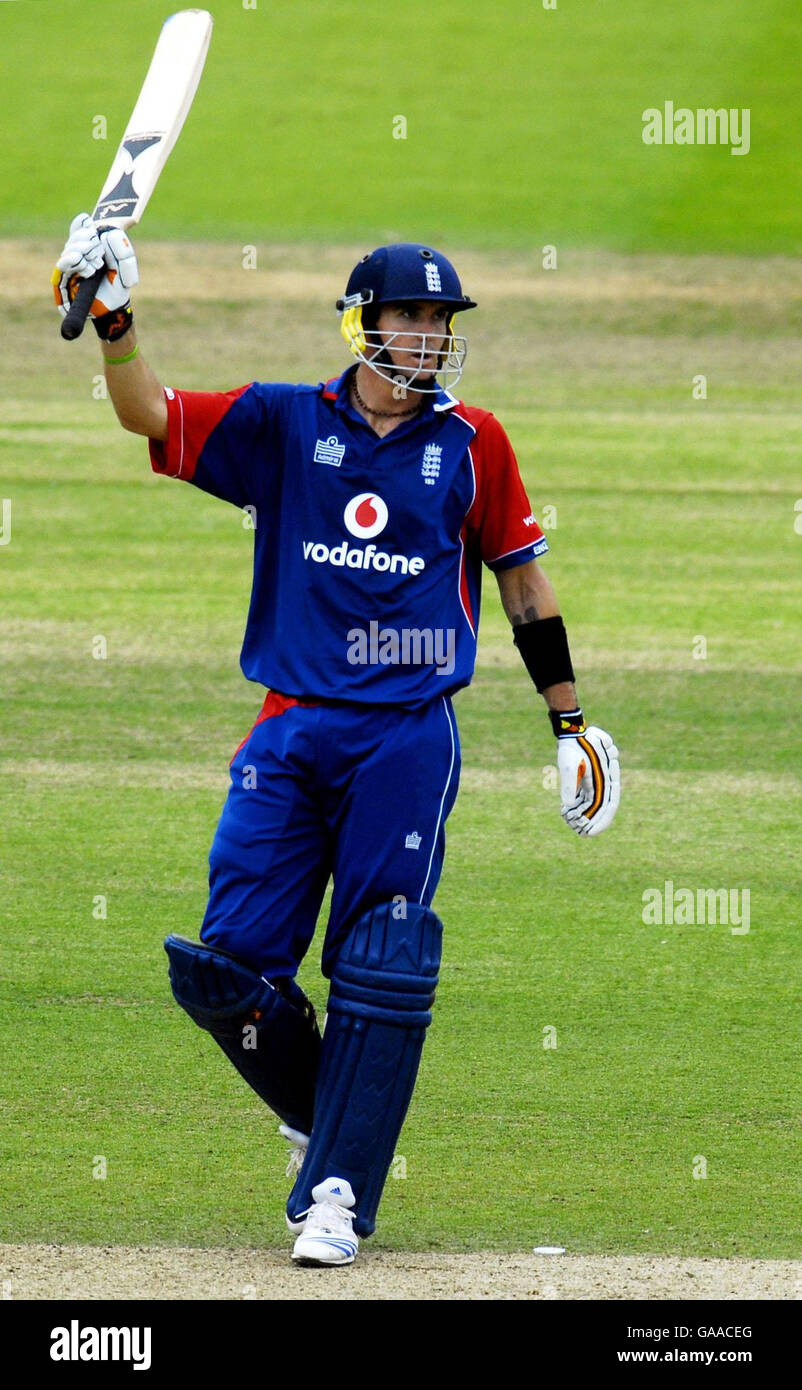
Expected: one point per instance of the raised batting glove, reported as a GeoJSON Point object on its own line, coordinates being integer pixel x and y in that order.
{"type": "Point", "coordinates": [590, 779]}
{"type": "Point", "coordinates": [89, 246]}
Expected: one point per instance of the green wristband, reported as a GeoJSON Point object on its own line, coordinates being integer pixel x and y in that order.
{"type": "Point", "coordinates": [118, 361]}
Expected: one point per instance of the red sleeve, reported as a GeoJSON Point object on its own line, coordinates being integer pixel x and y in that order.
{"type": "Point", "coordinates": [500, 520]}
{"type": "Point", "coordinates": [191, 417]}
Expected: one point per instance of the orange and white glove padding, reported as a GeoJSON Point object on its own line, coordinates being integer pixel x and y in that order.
{"type": "Point", "coordinates": [590, 774]}
{"type": "Point", "coordinates": [89, 246]}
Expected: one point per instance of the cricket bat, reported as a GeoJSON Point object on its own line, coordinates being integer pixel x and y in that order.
{"type": "Point", "coordinates": [155, 125]}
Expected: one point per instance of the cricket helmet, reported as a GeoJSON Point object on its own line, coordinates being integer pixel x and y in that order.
{"type": "Point", "coordinates": [392, 275]}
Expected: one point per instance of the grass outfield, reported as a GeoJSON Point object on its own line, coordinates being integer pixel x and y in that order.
{"type": "Point", "coordinates": [675, 519]}
{"type": "Point", "coordinates": [524, 124]}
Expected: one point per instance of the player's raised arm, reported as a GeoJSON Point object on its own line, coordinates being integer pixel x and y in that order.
{"type": "Point", "coordinates": [136, 392]}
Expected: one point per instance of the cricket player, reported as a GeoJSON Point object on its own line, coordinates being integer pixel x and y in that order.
{"type": "Point", "coordinates": [376, 498]}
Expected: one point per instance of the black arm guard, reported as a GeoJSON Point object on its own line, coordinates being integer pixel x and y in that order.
{"type": "Point", "coordinates": [543, 644]}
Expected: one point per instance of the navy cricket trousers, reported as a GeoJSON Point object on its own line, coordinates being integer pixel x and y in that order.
{"type": "Point", "coordinates": [354, 792]}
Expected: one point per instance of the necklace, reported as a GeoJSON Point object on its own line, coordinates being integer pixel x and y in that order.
{"type": "Point", "coordinates": [386, 414]}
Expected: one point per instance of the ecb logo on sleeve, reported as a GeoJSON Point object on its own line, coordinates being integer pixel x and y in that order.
{"type": "Point", "coordinates": [329, 451]}
{"type": "Point", "coordinates": [366, 515]}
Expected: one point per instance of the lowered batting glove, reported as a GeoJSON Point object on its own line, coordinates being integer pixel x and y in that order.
{"type": "Point", "coordinates": [89, 246]}
{"type": "Point", "coordinates": [590, 780]}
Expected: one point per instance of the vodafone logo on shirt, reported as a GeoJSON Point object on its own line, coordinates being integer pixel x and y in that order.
{"type": "Point", "coordinates": [365, 516]}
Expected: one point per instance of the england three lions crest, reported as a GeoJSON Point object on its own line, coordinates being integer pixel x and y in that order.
{"type": "Point", "coordinates": [430, 467]}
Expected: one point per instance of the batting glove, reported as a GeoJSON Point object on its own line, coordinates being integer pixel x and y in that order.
{"type": "Point", "coordinates": [89, 246]}
{"type": "Point", "coordinates": [590, 779]}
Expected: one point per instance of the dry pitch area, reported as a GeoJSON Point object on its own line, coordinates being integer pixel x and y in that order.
{"type": "Point", "coordinates": [113, 1272]}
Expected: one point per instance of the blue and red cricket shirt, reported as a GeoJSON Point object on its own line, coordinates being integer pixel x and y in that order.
{"type": "Point", "coordinates": [368, 552]}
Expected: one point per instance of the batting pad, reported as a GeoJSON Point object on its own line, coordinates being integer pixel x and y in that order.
{"type": "Point", "coordinates": [382, 990]}
{"type": "Point", "coordinates": [268, 1031]}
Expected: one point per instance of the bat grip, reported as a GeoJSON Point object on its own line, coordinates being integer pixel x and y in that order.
{"type": "Point", "coordinates": [72, 325]}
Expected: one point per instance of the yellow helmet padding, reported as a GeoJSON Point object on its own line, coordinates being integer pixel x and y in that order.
{"type": "Point", "coordinates": [354, 334]}
{"type": "Point", "coordinates": [352, 330]}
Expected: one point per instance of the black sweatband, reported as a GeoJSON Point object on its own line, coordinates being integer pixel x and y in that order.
{"type": "Point", "coordinates": [109, 327]}
{"type": "Point", "coordinates": [543, 644]}
{"type": "Point", "coordinates": [567, 723]}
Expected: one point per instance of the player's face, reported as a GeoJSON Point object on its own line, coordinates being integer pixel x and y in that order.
{"type": "Point", "coordinates": [406, 322]}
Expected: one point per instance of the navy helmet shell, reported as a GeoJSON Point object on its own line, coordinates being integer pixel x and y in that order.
{"type": "Point", "coordinates": [403, 271]}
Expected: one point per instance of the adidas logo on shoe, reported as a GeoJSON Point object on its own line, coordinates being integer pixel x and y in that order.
{"type": "Point", "coordinates": [328, 1234]}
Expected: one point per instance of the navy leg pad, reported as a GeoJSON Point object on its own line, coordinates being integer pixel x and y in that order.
{"type": "Point", "coordinates": [268, 1030]}
{"type": "Point", "coordinates": [382, 990]}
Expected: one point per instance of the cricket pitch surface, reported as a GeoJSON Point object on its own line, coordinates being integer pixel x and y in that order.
{"type": "Point", "coordinates": [167, 1272]}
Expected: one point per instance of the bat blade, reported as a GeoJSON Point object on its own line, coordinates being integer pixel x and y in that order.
{"type": "Point", "coordinates": [156, 120]}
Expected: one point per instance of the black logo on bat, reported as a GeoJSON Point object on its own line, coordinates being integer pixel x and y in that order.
{"type": "Point", "coordinates": [122, 199]}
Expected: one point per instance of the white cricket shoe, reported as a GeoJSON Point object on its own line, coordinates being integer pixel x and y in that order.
{"type": "Point", "coordinates": [328, 1236]}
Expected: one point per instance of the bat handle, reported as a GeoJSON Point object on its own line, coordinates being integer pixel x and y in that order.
{"type": "Point", "coordinates": [72, 325]}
